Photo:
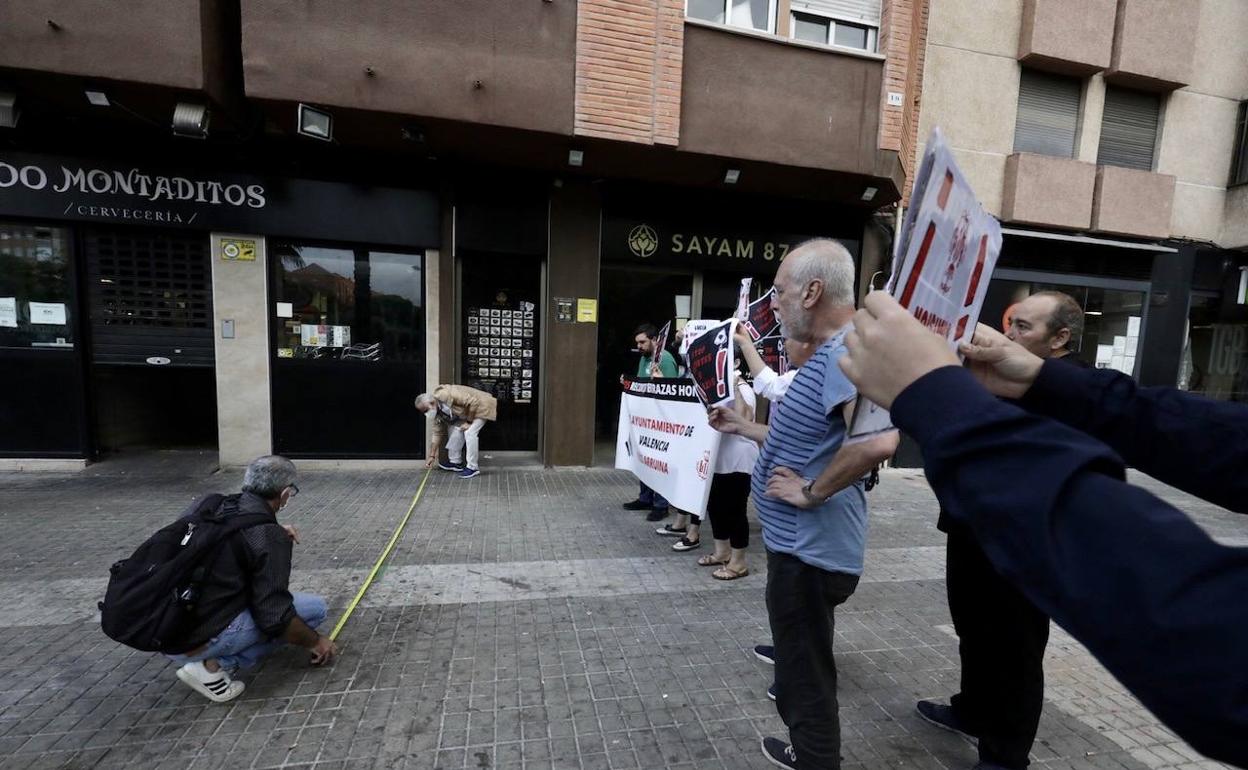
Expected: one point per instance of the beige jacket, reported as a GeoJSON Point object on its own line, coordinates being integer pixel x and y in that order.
{"type": "Point", "coordinates": [468, 403]}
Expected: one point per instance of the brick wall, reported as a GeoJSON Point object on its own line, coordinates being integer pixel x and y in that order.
{"type": "Point", "coordinates": [903, 41]}
{"type": "Point", "coordinates": [628, 69]}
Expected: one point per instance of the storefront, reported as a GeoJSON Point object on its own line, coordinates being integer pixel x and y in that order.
{"type": "Point", "coordinates": [1215, 350]}
{"type": "Point", "coordinates": [152, 307]}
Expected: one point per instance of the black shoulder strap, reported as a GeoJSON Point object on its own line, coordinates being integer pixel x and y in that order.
{"type": "Point", "coordinates": [231, 526]}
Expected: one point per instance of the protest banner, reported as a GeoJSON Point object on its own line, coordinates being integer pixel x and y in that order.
{"type": "Point", "coordinates": [942, 262]}
{"type": "Point", "coordinates": [711, 361]}
{"type": "Point", "coordinates": [760, 320]}
{"type": "Point", "coordinates": [743, 300]}
{"type": "Point", "coordinates": [664, 439]}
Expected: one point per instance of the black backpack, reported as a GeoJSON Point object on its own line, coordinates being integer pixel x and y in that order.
{"type": "Point", "coordinates": [152, 596]}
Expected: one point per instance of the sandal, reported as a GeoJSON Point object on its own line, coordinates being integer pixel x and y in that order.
{"type": "Point", "coordinates": [728, 573]}
{"type": "Point", "coordinates": [685, 544]}
{"type": "Point", "coordinates": [710, 560]}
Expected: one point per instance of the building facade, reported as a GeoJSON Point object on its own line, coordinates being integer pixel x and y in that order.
{"type": "Point", "coordinates": [1109, 138]}
{"type": "Point", "coordinates": [267, 226]}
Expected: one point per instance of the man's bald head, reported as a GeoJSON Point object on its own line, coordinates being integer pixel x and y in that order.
{"type": "Point", "coordinates": [815, 282]}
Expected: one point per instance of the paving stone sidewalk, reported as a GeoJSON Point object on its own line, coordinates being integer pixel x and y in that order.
{"type": "Point", "coordinates": [524, 621]}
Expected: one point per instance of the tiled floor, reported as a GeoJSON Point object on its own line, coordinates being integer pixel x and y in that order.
{"type": "Point", "coordinates": [525, 621]}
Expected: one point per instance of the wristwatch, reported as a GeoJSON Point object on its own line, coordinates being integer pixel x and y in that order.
{"type": "Point", "coordinates": [808, 492]}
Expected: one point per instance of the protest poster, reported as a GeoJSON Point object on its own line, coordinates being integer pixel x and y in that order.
{"type": "Point", "coordinates": [711, 361]}
{"type": "Point", "coordinates": [773, 355]}
{"type": "Point", "coordinates": [743, 300]}
{"type": "Point", "coordinates": [942, 262]}
{"type": "Point", "coordinates": [693, 330]}
{"type": "Point", "coordinates": [664, 439]}
{"type": "Point", "coordinates": [760, 320]}
{"type": "Point", "coordinates": [660, 344]}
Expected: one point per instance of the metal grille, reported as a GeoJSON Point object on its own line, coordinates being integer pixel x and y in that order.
{"type": "Point", "coordinates": [1129, 128]}
{"type": "Point", "coordinates": [151, 297]}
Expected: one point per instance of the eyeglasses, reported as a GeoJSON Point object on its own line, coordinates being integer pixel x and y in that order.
{"type": "Point", "coordinates": [294, 490]}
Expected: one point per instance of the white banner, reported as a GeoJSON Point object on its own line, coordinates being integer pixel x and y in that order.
{"type": "Point", "coordinates": [665, 440]}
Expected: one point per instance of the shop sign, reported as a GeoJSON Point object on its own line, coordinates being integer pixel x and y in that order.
{"type": "Point", "coordinates": [52, 187]}
{"type": "Point", "coordinates": [647, 240]}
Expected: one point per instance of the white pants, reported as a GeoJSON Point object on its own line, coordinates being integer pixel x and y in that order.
{"type": "Point", "coordinates": [458, 439]}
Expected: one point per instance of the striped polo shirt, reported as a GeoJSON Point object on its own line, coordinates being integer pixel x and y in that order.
{"type": "Point", "coordinates": [807, 429]}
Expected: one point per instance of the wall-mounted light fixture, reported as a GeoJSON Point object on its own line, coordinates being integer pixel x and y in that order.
{"type": "Point", "coordinates": [190, 120]}
{"type": "Point", "coordinates": [315, 123]}
{"type": "Point", "coordinates": [576, 158]}
{"type": "Point", "coordinates": [869, 193]}
{"type": "Point", "coordinates": [9, 113]}
{"type": "Point", "coordinates": [732, 175]}
{"type": "Point", "coordinates": [1242, 297]}
{"type": "Point", "coordinates": [98, 98]}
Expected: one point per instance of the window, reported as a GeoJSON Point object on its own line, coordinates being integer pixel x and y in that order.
{"type": "Point", "coordinates": [1048, 114]}
{"type": "Point", "coordinates": [845, 23]}
{"type": "Point", "coordinates": [1239, 162]}
{"type": "Point", "coordinates": [748, 14]}
{"type": "Point", "coordinates": [1129, 128]}
{"type": "Point", "coordinates": [36, 305]}
{"type": "Point", "coordinates": [349, 304]}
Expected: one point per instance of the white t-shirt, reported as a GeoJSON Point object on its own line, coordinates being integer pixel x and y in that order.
{"type": "Point", "coordinates": [772, 386]}
{"type": "Point", "coordinates": [738, 453]}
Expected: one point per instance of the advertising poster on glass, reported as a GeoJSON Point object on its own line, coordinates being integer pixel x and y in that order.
{"type": "Point", "coordinates": [760, 320]}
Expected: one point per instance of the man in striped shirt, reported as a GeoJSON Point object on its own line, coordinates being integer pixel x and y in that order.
{"type": "Point", "coordinates": [807, 487]}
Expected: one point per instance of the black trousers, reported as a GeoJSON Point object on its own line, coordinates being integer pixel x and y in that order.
{"type": "Point", "coordinates": [800, 604]}
{"type": "Point", "coordinates": [1001, 640]}
{"type": "Point", "coordinates": [726, 506]}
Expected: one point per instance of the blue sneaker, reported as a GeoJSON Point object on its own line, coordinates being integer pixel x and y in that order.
{"type": "Point", "coordinates": [468, 473]}
{"type": "Point", "coordinates": [771, 691]}
{"type": "Point", "coordinates": [945, 718]}
{"type": "Point", "coordinates": [453, 467]}
{"type": "Point", "coordinates": [766, 653]}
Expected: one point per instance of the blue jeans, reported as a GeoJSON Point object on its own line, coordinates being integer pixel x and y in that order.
{"type": "Point", "coordinates": [242, 645]}
{"type": "Point", "coordinates": [651, 498]}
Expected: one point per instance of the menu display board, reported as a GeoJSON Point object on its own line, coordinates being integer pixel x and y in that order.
{"type": "Point", "coordinates": [498, 354]}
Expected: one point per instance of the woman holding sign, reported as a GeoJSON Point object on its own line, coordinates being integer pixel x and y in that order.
{"type": "Point", "coordinates": [730, 492]}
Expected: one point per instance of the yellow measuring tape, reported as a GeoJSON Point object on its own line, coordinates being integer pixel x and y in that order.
{"type": "Point", "coordinates": [381, 560]}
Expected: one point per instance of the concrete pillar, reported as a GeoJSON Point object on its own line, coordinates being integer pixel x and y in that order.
{"type": "Point", "coordinates": [240, 300]}
{"type": "Point", "coordinates": [571, 348]}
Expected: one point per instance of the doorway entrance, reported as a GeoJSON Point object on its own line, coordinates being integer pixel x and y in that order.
{"type": "Point", "coordinates": [149, 300]}
{"type": "Point", "coordinates": [499, 342]}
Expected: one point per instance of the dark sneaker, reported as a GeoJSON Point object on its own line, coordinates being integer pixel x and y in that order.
{"type": "Point", "coordinates": [468, 473]}
{"type": "Point", "coordinates": [656, 514]}
{"type": "Point", "coordinates": [989, 766]}
{"type": "Point", "coordinates": [944, 717]}
{"type": "Point", "coordinates": [455, 467]}
{"type": "Point", "coordinates": [685, 544]}
{"type": "Point", "coordinates": [771, 691]}
{"type": "Point", "coordinates": [636, 505]}
{"type": "Point", "coordinates": [779, 753]}
{"type": "Point", "coordinates": [766, 653]}
{"type": "Point", "coordinates": [670, 531]}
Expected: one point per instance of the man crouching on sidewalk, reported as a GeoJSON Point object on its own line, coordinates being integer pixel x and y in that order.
{"type": "Point", "coordinates": [246, 609]}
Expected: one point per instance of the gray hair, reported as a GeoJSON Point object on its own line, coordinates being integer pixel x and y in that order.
{"type": "Point", "coordinates": [425, 398]}
{"type": "Point", "coordinates": [1066, 315]}
{"type": "Point", "coordinates": [830, 263]}
{"type": "Point", "coordinates": [267, 476]}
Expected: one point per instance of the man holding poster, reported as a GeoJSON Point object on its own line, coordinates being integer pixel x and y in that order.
{"type": "Point", "coordinates": [808, 489]}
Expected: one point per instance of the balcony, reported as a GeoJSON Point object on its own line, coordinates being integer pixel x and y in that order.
{"type": "Point", "coordinates": [177, 44]}
{"type": "Point", "coordinates": [759, 98]}
{"type": "Point", "coordinates": [1132, 202]}
{"type": "Point", "coordinates": [1048, 192]}
{"type": "Point", "coordinates": [1070, 37]}
{"type": "Point", "coordinates": [509, 64]}
{"type": "Point", "coordinates": [1154, 44]}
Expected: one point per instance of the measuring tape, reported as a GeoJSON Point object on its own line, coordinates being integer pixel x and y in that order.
{"type": "Point", "coordinates": [381, 560]}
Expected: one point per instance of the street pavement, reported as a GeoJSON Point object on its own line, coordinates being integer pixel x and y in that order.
{"type": "Point", "coordinates": [524, 621]}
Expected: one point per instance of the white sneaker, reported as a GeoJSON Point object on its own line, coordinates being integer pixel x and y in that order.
{"type": "Point", "coordinates": [217, 687]}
